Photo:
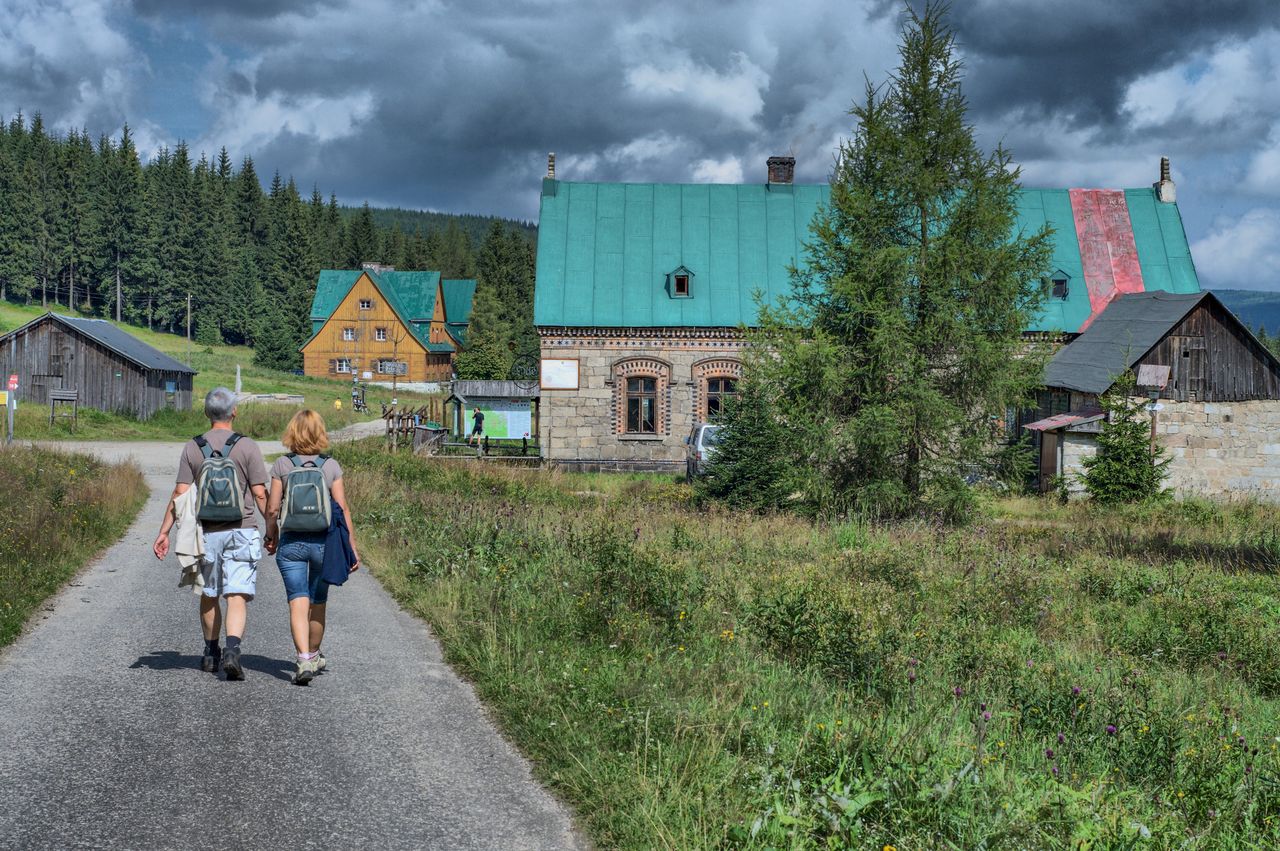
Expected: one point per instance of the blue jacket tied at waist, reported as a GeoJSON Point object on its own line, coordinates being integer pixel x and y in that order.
{"type": "Point", "coordinates": [339, 557]}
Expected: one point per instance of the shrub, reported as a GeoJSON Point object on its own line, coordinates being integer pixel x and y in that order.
{"type": "Point", "coordinates": [1125, 469]}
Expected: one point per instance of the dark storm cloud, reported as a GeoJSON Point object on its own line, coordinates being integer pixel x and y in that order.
{"type": "Point", "coordinates": [1078, 58]}
{"type": "Point", "coordinates": [253, 9]}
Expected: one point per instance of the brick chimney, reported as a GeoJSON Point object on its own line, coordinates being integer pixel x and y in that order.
{"type": "Point", "coordinates": [551, 166]}
{"type": "Point", "coordinates": [1165, 189]}
{"type": "Point", "coordinates": [782, 169]}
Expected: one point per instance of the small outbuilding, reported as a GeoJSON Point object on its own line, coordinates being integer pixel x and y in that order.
{"type": "Point", "coordinates": [105, 367]}
{"type": "Point", "coordinates": [1213, 388]}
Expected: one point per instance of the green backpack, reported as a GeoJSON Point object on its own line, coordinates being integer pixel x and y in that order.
{"type": "Point", "coordinates": [306, 506]}
{"type": "Point", "coordinates": [219, 495]}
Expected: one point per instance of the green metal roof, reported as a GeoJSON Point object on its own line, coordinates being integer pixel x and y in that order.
{"type": "Point", "coordinates": [412, 295]}
{"type": "Point", "coordinates": [605, 251]}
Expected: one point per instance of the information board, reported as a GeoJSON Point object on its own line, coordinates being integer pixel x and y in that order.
{"type": "Point", "coordinates": [559, 374]}
{"type": "Point", "coordinates": [502, 418]}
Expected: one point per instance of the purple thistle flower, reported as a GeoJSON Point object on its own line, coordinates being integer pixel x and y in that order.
{"type": "Point", "coordinates": [958, 691]}
{"type": "Point", "coordinates": [986, 716]}
{"type": "Point", "coordinates": [1062, 740]}
{"type": "Point", "coordinates": [911, 676]}
{"type": "Point", "coordinates": [1055, 771]}
{"type": "Point", "coordinates": [1111, 729]}
{"type": "Point", "coordinates": [1048, 753]}
{"type": "Point", "coordinates": [913, 662]}
{"type": "Point", "coordinates": [1075, 690]}
{"type": "Point", "coordinates": [982, 707]}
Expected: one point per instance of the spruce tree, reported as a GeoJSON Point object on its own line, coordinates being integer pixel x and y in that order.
{"type": "Point", "coordinates": [1127, 467]}
{"type": "Point", "coordinates": [903, 341]}
{"type": "Point", "coordinates": [363, 244]}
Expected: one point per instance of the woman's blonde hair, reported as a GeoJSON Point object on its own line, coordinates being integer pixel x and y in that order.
{"type": "Point", "coordinates": [306, 434]}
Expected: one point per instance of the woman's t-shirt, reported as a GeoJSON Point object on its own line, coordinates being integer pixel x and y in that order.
{"type": "Point", "coordinates": [331, 470]}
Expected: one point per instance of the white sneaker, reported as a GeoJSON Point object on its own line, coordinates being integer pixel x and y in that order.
{"type": "Point", "coordinates": [307, 669]}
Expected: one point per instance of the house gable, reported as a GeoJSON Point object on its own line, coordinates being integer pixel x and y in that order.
{"type": "Point", "coordinates": [364, 323]}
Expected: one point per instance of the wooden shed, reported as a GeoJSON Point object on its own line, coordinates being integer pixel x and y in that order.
{"type": "Point", "coordinates": [1214, 389]}
{"type": "Point", "coordinates": [110, 369]}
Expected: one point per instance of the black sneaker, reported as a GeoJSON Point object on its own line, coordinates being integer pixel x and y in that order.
{"type": "Point", "coordinates": [231, 664]}
{"type": "Point", "coordinates": [209, 663]}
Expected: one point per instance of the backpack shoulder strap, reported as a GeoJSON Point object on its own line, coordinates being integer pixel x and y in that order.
{"type": "Point", "coordinates": [231, 441]}
{"type": "Point", "coordinates": [322, 458]}
{"type": "Point", "coordinates": [203, 445]}
{"type": "Point", "coordinates": [293, 456]}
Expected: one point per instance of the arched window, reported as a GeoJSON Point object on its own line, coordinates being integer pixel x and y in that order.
{"type": "Point", "coordinates": [715, 381]}
{"type": "Point", "coordinates": [641, 389]}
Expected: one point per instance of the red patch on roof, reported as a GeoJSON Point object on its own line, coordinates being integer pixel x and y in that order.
{"type": "Point", "coordinates": [1108, 252]}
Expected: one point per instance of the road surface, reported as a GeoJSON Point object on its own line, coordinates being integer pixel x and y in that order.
{"type": "Point", "coordinates": [112, 737]}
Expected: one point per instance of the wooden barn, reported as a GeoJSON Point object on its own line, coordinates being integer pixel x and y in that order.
{"type": "Point", "coordinates": [102, 366]}
{"type": "Point", "coordinates": [1214, 389]}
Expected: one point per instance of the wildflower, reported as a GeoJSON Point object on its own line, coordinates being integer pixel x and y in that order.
{"type": "Point", "coordinates": [1075, 691]}
{"type": "Point", "coordinates": [1062, 740]}
{"type": "Point", "coordinates": [821, 726]}
{"type": "Point", "coordinates": [1145, 729]}
{"type": "Point", "coordinates": [682, 616]}
{"type": "Point", "coordinates": [1048, 753]}
{"type": "Point", "coordinates": [889, 848]}
{"type": "Point", "coordinates": [982, 706]}
{"type": "Point", "coordinates": [1054, 769]}
{"type": "Point", "coordinates": [1111, 729]}
{"type": "Point", "coordinates": [681, 648]}
{"type": "Point", "coordinates": [766, 704]}
{"type": "Point", "coordinates": [911, 676]}
{"type": "Point", "coordinates": [1191, 718]}
{"type": "Point", "coordinates": [986, 716]}
{"type": "Point", "coordinates": [958, 691]}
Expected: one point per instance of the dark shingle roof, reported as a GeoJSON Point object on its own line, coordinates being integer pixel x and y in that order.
{"type": "Point", "coordinates": [1118, 339]}
{"type": "Point", "coordinates": [117, 340]}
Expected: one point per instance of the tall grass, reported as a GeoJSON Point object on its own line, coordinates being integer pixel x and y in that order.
{"type": "Point", "coordinates": [1047, 678]}
{"type": "Point", "coordinates": [56, 511]}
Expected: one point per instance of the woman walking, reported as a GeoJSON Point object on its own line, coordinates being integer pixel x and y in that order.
{"type": "Point", "coordinates": [305, 484]}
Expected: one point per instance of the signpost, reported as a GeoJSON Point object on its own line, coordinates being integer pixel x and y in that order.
{"type": "Point", "coordinates": [10, 400]}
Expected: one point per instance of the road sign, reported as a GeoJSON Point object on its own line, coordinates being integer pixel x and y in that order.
{"type": "Point", "coordinates": [4, 398]}
{"type": "Point", "coordinates": [13, 382]}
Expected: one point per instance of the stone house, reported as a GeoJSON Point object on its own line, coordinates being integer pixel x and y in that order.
{"type": "Point", "coordinates": [644, 291]}
{"type": "Point", "coordinates": [1214, 391]}
{"type": "Point", "coordinates": [381, 325]}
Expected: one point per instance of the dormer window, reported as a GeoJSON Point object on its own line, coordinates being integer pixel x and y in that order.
{"type": "Point", "coordinates": [679, 283]}
{"type": "Point", "coordinates": [1058, 285]}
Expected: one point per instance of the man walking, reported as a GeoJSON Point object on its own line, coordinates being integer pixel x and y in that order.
{"type": "Point", "coordinates": [232, 547]}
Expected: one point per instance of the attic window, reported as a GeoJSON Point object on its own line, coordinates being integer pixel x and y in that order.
{"type": "Point", "coordinates": [678, 282]}
{"type": "Point", "coordinates": [366, 304]}
{"type": "Point", "coordinates": [1058, 285]}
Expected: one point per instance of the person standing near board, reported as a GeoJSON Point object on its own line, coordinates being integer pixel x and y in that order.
{"type": "Point", "coordinates": [477, 426]}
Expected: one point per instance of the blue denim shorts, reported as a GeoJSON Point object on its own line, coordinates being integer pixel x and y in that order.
{"type": "Point", "coordinates": [301, 561]}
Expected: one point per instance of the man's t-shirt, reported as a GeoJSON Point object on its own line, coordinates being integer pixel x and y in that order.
{"type": "Point", "coordinates": [250, 468]}
{"type": "Point", "coordinates": [330, 469]}
{"type": "Point", "coordinates": [478, 416]}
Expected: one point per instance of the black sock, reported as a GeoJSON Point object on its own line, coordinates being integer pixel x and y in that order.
{"type": "Point", "coordinates": [233, 642]}
{"type": "Point", "coordinates": [211, 647]}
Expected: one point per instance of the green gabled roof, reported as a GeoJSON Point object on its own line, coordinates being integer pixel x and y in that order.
{"type": "Point", "coordinates": [605, 250]}
{"type": "Point", "coordinates": [459, 293]}
{"type": "Point", "coordinates": [412, 295]}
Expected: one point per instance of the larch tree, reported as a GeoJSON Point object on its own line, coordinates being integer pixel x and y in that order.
{"type": "Point", "coordinates": [901, 349]}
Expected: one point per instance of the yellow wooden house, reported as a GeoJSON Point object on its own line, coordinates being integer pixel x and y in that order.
{"type": "Point", "coordinates": [375, 323]}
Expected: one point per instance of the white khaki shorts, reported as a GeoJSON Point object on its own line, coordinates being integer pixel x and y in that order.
{"type": "Point", "coordinates": [230, 562]}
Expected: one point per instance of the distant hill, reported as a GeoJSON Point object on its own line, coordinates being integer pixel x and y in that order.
{"type": "Point", "coordinates": [411, 220]}
{"type": "Point", "coordinates": [1254, 307]}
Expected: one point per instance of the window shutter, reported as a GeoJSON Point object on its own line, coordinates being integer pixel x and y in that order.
{"type": "Point", "coordinates": [333, 366]}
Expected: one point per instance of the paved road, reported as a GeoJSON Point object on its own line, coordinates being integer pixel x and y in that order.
{"type": "Point", "coordinates": [111, 736]}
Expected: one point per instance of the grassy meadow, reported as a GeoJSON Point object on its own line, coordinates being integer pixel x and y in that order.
{"type": "Point", "coordinates": [1047, 677]}
{"type": "Point", "coordinates": [56, 512]}
{"type": "Point", "coordinates": [216, 366]}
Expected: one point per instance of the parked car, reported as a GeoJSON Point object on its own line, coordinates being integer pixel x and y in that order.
{"type": "Point", "coordinates": [700, 445]}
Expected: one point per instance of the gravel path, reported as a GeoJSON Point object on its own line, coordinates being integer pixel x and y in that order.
{"type": "Point", "coordinates": [111, 736]}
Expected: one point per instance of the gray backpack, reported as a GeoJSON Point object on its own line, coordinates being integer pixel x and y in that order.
{"type": "Point", "coordinates": [219, 494]}
{"type": "Point", "coordinates": [306, 506]}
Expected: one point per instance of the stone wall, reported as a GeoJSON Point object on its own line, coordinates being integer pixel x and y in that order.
{"type": "Point", "coordinates": [579, 428]}
{"type": "Point", "coordinates": [1228, 449]}
{"type": "Point", "coordinates": [1223, 448]}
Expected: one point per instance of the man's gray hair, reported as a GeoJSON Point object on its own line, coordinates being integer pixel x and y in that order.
{"type": "Point", "coordinates": [219, 405]}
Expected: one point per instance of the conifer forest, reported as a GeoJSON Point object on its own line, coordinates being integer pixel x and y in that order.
{"type": "Point", "coordinates": [91, 226]}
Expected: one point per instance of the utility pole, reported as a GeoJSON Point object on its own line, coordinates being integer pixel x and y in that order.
{"type": "Point", "coordinates": [188, 329]}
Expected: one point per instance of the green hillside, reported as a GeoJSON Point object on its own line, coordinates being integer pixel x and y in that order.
{"type": "Point", "coordinates": [425, 221]}
{"type": "Point", "coordinates": [216, 366]}
{"type": "Point", "coordinates": [1254, 307]}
